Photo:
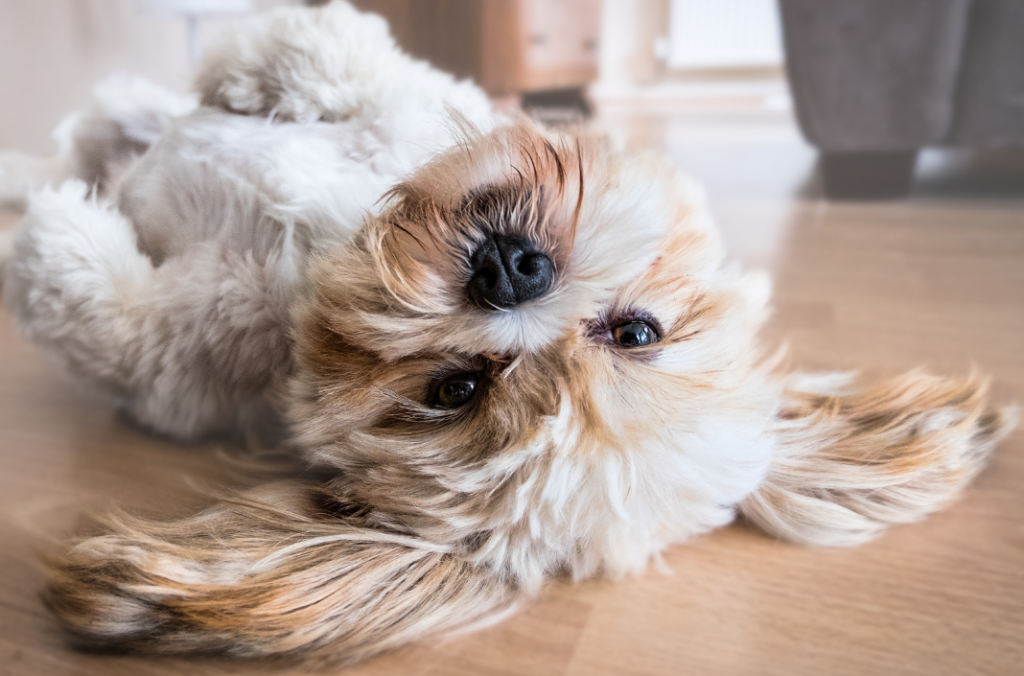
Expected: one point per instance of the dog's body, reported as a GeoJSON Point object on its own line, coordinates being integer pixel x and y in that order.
{"type": "Point", "coordinates": [216, 215]}
{"type": "Point", "coordinates": [518, 349]}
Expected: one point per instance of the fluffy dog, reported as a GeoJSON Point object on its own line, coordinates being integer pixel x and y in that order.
{"type": "Point", "coordinates": [516, 350]}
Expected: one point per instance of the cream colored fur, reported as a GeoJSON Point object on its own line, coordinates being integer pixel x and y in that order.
{"type": "Point", "coordinates": [299, 247]}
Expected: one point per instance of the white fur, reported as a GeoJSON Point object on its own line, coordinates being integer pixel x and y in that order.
{"type": "Point", "coordinates": [225, 210]}
{"type": "Point", "coordinates": [211, 267]}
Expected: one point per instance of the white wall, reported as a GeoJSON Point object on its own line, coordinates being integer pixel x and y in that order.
{"type": "Point", "coordinates": [629, 30]}
{"type": "Point", "coordinates": [53, 51]}
{"type": "Point", "coordinates": [724, 34]}
{"type": "Point", "coordinates": [695, 34]}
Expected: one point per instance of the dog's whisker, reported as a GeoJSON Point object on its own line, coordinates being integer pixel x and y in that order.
{"type": "Point", "coordinates": [507, 371]}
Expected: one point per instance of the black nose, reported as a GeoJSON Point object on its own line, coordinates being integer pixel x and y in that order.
{"type": "Point", "coordinates": [507, 271]}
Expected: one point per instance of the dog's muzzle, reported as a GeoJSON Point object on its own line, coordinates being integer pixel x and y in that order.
{"type": "Point", "coordinates": [507, 271]}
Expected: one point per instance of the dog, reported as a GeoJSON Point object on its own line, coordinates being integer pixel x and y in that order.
{"type": "Point", "coordinates": [514, 353]}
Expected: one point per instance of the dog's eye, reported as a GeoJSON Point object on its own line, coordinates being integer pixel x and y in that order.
{"type": "Point", "coordinates": [457, 390]}
{"type": "Point", "coordinates": [635, 333]}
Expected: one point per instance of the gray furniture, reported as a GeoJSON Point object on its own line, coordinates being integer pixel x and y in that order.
{"type": "Point", "coordinates": [874, 81]}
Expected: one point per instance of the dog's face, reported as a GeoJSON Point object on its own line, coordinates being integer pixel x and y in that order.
{"type": "Point", "coordinates": [527, 298]}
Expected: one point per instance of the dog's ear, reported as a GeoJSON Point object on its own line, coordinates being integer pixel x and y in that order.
{"type": "Point", "coordinates": [266, 573]}
{"type": "Point", "coordinates": [850, 463]}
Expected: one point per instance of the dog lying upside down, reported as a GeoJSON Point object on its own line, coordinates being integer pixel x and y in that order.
{"type": "Point", "coordinates": [516, 350]}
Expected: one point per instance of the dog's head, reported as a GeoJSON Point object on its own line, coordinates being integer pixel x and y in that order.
{"type": "Point", "coordinates": [531, 298]}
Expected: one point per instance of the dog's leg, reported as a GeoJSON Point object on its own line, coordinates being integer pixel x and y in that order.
{"type": "Point", "coordinates": [123, 118]}
{"type": "Point", "coordinates": [73, 267]}
{"type": "Point", "coordinates": [299, 65]}
{"type": "Point", "coordinates": [186, 346]}
{"type": "Point", "coordinates": [332, 64]}
{"type": "Point", "coordinates": [266, 573]}
{"type": "Point", "coordinates": [851, 463]}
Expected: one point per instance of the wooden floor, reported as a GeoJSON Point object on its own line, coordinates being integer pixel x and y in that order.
{"type": "Point", "coordinates": [936, 280]}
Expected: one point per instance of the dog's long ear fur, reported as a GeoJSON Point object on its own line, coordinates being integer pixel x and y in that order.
{"type": "Point", "coordinates": [265, 574]}
{"type": "Point", "coordinates": [851, 463]}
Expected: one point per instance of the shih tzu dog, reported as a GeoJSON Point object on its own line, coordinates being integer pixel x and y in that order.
{"type": "Point", "coordinates": [516, 351]}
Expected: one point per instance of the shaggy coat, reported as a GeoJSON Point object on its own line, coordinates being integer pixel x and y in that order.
{"type": "Point", "coordinates": [301, 246]}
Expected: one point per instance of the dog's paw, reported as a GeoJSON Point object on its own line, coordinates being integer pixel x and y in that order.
{"type": "Point", "coordinates": [73, 267]}
{"type": "Point", "coordinates": [72, 243]}
{"type": "Point", "coordinates": [300, 65]}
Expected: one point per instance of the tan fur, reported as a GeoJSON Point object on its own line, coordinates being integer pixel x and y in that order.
{"type": "Point", "coordinates": [578, 456]}
{"type": "Point", "coordinates": [851, 464]}
{"type": "Point", "coordinates": [576, 460]}
{"type": "Point", "coordinates": [267, 572]}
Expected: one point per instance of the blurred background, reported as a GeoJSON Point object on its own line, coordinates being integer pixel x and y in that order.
{"type": "Point", "coordinates": [868, 84]}
{"type": "Point", "coordinates": [866, 152]}
{"type": "Point", "coordinates": [875, 99]}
